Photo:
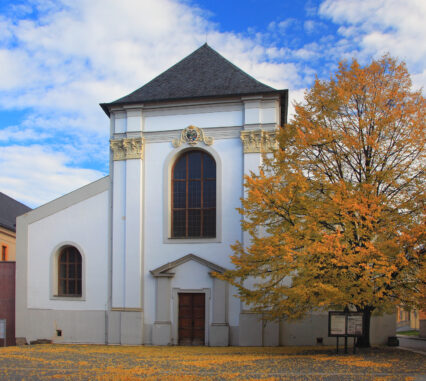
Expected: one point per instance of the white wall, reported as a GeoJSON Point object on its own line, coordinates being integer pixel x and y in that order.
{"type": "Point", "coordinates": [258, 111]}
{"type": "Point", "coordinates": [85, 225]}
{"type": "Point", "coordinates": [158, 250]}
{"type": "Point", "coordinates": [120, 121]}
{"type": "Point", "coordinates": [119, 231]}
{"type": "Point", "coordinates": [159, 154]}
{"type": "Point", "coordinates": [200, 116]}
{"type": "Point", "coordinates": [192, 276]}
{"type": "Point", "coordinates": [127, 240]}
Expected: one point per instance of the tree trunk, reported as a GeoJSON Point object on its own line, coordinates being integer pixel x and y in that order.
{"type": "Point", "coordinates": [364, 340]}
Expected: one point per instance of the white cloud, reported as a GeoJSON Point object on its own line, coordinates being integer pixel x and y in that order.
{"type": "Point", "coordinates": [295, 96]}
{"type": "Point", "coordinates": [15, 133]}
{"type": "Point", "coordinates": [309, 26]}
{"type": "Point", "coordinates": [312, 26]}
{"type": "Point", "coordinates": [91, 51]}
{"type": "Point", "coordinates": [79, 53]}
{"type": "Point", "coordinates": [310, 8]}
{"type": "Point", "coordinates": [419, 80]}
{"type": "Point", "coordinates": [15, 69]}
{"type": "Point", "coordinates": [287, 23]}
{"type": "Point", "coordinates": [23, 170]}
{"type": "Point", "coordinates": [83, 52]}
{"type": "Point", "coordinates": [308, 52]}
{"type": "Point", "coordinates": [383, 26]}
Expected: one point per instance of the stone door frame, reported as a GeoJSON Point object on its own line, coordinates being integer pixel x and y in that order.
{"type": "Point", "coordinates": [175, 321]}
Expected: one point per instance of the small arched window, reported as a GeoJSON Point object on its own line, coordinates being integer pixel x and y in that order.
{"type": "Point", "coordinates": [194, 196]}
{"type": "Point", "coordinates": [69, 272]}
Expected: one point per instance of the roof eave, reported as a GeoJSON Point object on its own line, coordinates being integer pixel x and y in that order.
{"type": "Point", "coordinates": [284, 107]}
{"type": "Point", "coordinates": [282, 93]}
{"type": "Point", "coordinates": [105, 107]}
{"type": "Point", "coordinates": [8, 227]}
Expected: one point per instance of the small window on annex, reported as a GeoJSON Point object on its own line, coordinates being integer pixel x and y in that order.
{"type": "Point", "coordinates": [3, 253]}
{"type": "Point", "coordinates": [194, 196]}
{"type": "Point", "coordinates": [69, 272]}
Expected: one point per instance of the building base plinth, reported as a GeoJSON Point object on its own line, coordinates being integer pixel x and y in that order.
{"type": "Point", "coordinates": [161, 333]}
{"type": "Point", "coordinates": [219, 335]}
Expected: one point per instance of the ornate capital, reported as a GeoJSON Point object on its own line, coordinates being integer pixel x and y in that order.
{"type": "Point", "coordinates": [128, 148]}
{"type": "Point", "coordinates": [259, 141]}
{"type": "Point", "coordinates": [192, 135]}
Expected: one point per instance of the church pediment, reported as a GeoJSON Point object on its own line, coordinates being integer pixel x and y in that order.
{"type": "Point", "coordinates": [167, 269]}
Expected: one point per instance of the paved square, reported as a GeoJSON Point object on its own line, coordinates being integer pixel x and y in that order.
{"type": "Point", "coordinates": [97, 362]}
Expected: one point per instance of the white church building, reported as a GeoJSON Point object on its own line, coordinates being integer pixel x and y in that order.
{"type": "Point", "coordinates": [128, 259]}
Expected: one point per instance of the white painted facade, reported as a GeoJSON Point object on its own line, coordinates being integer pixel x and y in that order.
{"type": "Point", "coordinates": [132, 269]}
{"type": "Point", "coordinates": [84, 221]}
{"type": "Point", "coordinates": [141, 193]}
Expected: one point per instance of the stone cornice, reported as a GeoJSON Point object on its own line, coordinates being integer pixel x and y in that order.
{"type": "Point", "coordinates": [164, 271]}
{"type": "Point", "coordinates": [127, 148]}
{"type": "Point", "coordinates": [259, 141]}
{"type": "Point", "coordinates": [217, 133]}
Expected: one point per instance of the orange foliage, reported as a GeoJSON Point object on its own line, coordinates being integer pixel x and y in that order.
{"type": "Point", "coordinates": [336, 218]}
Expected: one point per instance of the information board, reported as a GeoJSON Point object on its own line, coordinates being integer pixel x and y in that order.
{"type": "Point", "coordinates": [354, 325]}
{"type": "Point", "coordinates": [342, 323]}
{"type": "Point", "coordinates": [337, 325]}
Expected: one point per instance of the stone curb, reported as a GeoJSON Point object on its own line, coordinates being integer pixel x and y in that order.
{"type": "Point", "coordinates": [411, 337]}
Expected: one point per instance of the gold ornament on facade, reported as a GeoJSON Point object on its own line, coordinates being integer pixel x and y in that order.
{"type": "Point", "coordinates": [192, 135]}
{"type": "Point", "coordinates": [128, 148]}
{"type": "Point", "coordinates": [259, 141]}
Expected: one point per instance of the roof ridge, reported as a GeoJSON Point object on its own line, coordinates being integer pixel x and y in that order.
{"type": "Point", "coordinates": [235, 66]}
{"type": "Point", "coordinates": [159, 75]}
{"type": "Point", "coordinates": [204, 73]}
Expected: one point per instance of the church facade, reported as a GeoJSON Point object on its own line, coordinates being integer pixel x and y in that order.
{"type": "Point", "coordinates": [129, 258]}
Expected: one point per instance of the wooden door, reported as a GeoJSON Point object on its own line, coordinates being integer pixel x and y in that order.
{"type": "Point", "coordinates": [191, 318]}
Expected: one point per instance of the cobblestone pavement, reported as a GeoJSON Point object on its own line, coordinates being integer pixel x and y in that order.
{"type": "Point", "coordinates": [97, 362]}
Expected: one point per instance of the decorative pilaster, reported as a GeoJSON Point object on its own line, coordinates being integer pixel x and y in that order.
{"type": "Point", "coordinates": [259, 141]}
{"type": "Point", "coordinates": [127, 148]}
{"type": "Point", "coordinates": [219, 329]}
{"type": "Point", "coordinates": [126, 316]}
{"type": "Point", "coordinates": [162, 328]}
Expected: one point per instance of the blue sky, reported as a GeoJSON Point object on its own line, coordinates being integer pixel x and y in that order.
{"type": "Point", "coordinates": [60, 58]}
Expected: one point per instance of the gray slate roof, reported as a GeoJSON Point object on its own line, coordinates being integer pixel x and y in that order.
{"type": "Point", "coordinates": [202, 74]}
{"type": "Point", "coordinates": [9, 210]}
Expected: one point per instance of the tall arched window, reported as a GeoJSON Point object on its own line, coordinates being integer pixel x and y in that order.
{"type": "Point", "coordinates": [194, 196]}
{"type": "Point", "coordinates": [69, 272]}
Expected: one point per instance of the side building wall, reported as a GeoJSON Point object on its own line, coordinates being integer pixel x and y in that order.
{"type": "Point", "coordinates": [312, 330]}
{"type": "Point", "coordinates": [79, 219]}
{"type": "Point", "coordinates": [7, 300]}
{"type": "Point", "coordinates": [7, 244]}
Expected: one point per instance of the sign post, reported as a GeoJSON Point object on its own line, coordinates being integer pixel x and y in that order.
{"type": "Point", "coordinates": [3, 330]}
{"type": "Point", "coordinates": [344, 324]}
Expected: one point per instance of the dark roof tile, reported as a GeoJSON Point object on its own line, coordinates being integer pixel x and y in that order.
{"type": "Point", "coordinates": [9, 210]}
{"type": "Point", "coordinates": [204, 73]}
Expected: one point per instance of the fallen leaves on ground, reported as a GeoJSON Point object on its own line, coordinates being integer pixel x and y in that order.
{"type": "Point", "coordinates": [125, 363]}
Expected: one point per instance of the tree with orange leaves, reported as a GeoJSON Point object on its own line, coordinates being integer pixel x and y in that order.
{"type": "Point", "coordinates": [336, 218]}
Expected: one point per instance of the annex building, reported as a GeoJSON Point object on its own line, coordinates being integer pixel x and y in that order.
{"type": "Point", "coordinates": [9, 210]}
{"type": "Point", "coordinates": [128, 259]}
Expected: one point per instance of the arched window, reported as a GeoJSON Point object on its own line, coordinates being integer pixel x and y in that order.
{"type": "Point", "coordinates": [194, 196]}
{"type": "Point", "coordinates": [69, 272]}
